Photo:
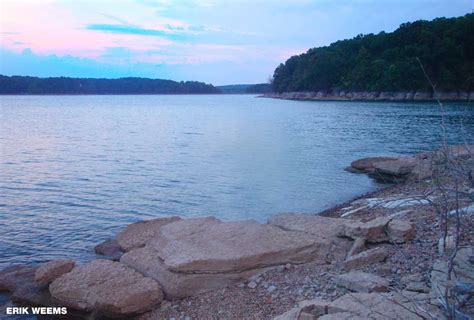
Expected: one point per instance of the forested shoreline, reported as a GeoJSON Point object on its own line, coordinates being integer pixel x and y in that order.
{"type": "Point", "coordinates": [65, 85]}
{"type": "Point", "coordinates": [388, 61]}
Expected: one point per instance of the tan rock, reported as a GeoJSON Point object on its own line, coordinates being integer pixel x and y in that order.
{"type": "Point", "coordinates": [371, 231]}
{"type": "Point", "coordinates": [51, 270]}
{"type": "Point", "coordinates": [201, 254]}
{"type": "Point", "coordinates": [362, 282]}
{"type": "Point", "coordinates": [316, 226]}
{"type": "Point", "coordinates": [176, 284]}
{"type": "Point", "coordinates": [137, 234]}
{"type": "Point", "coordinates": [400, 231]}
{"type": "Point", "coordinates": [365, 258]}
{"type": "Point", "coordinates": [208, 245]}
{"type": "Point", "coordinates": [107, 288]}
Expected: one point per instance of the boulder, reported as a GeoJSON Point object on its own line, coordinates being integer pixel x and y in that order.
{"type": "Point", "coordinates": [371, 231]}
{"type": "Point", "coordinates": [377, 230]}
{"type": "Point", "coordinates": [209, 245]}
{"type": "Point", "coordinates": [366, 165]}
{"type": "Point", "coordinates": [400, 231]}
{"type": "Point", "coordinates": [178, 285]}
{"type": "Point", "coordinates": [20, 281]}
{"type": "Point", "coordinates": [393, 170]}
{"type": "Point", "coordinates": [315, 226]}
{"type": "Point", "coordinates": [51, 270]}
{"type": "Point", "coordinates": [109, 248]}
{"type": "Point", "coordinates": [365, 258]}
{"type": "Point", "coordinates": [362, 282]}
{"type": "Point", "coordinates": [107, 288]}
{"type": "Point", "coordinates": [201, 254]}
{"type": "Point", "coordinates": [137, 234]}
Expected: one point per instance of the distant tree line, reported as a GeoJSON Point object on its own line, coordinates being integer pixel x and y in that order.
{"type": "Point", "coordinates": [388, 61]}
{"type": "Point", "coordinates": [63, 85]}
{"type": "Point", "coordinates": [246, 88]}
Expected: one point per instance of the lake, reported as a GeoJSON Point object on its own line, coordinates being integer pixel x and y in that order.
{"type": "Point", "coordinates": [74, 170]}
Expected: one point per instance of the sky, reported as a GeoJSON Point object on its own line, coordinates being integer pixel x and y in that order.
{"type": "Point", "coordinates": [215, 41]}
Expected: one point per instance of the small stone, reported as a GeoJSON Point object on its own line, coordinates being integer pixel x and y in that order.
{"type": "Point", "coordinates": [109, 248]}
{"type": "Point", "coordinates": [288, 266]}
{"type": "Point", "coordinates": [362, 282]}
{"type": "Point", "coordinates": [400, 231]}
{"type": "Point", "coordinates": [252, 285]}
{"type": "Point", "coordinates": [365, 258]}
{"type": "Point", "coordinates": [271, 288]}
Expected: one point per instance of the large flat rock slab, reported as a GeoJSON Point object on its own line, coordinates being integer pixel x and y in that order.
{"type": "Point", "coordinates": [317, 227]}
{"type": "Point", "coordinates": [176, 284]}
{"type": "Point", "coordinates": [208, 245]}
{"type": "Point", "coordinates": [137, 234]}
{"type": "Point", "coordinates": [383, 306]}
{"type": "Point", "coordinates": [195, 255]}
{"type": "Point", "coordinates": [362, 282]}
{"type": "Point", "coordinates": [106, 288]}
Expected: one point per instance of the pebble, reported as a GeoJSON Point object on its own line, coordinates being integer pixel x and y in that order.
{"type": "Point", "coordinates": [271, 288]}
{"type": "Point", "coordinates": [252, 285]}
{"type": "Point", "coordinates": [288, 266]}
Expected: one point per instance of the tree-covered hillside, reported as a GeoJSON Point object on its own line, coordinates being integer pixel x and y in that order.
{"type": "Point", "coordinates": [388, 61]}
{"type": "Point", "coordinates": [246, 88]}
{"type": "Point", "coordinates": [62, 85]}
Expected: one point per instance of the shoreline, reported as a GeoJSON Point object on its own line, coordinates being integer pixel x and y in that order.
{"type": "Point", "coordinates": [398, 96]}
{"type": "Point", "coordinates": [168, 259]}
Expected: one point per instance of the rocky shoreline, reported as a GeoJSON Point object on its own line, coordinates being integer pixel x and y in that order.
{"type": "Point", "coordinates": [342, 95]}
{"type": "Point", "coordinates": [375, 257]}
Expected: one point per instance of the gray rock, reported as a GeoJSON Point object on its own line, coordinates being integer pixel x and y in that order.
{"type": "Point", "coordinates": [109, 248]}
{"type": "Point", "coordinates": [362, 282]}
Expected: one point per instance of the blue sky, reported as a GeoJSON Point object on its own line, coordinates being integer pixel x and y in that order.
{"type": "Point", "coordinates": [219, 42]}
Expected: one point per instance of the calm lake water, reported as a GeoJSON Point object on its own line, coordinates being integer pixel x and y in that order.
{"type": "Point", "coordinates": [74, 170]}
